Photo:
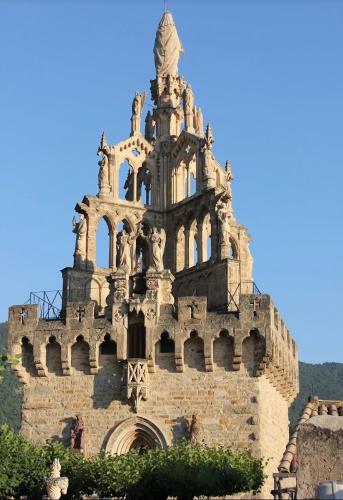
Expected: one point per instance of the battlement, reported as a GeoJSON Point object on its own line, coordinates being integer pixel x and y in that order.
{"type": "Point", "coordinates": [251, 340]}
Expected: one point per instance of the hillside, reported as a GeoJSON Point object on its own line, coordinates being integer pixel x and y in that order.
{"type": "Point", "coordinates": [323, 380]}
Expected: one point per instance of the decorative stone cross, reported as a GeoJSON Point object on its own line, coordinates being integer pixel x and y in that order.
{"type": "Point", "coordinates": [81, 313]}
{"type": "Point", "coordinates": [22, 315]}
{"type": "Point", "coordinates": [255, 303]}
{"type": "Point", "coordinates": [188, 148]}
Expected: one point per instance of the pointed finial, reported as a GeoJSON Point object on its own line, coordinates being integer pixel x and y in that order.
{"type": "Point", "coordinates": [103, 141]}
{"type": "Point", "coordinates": [209, 135]}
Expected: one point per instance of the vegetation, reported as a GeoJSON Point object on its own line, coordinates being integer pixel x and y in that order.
{"type": "Point", "coordinates": [181, 471]}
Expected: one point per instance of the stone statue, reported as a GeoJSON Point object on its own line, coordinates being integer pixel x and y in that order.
{"type": "Point", "coordinates": [103, 176]}
{"type": "Point", "coordinates": [137, 106]}
{"type": "Point", "coordinates": [129, 186]}
{"type": "Point", "coordinates": [167, 47]}
{"type": "Point", "coordinates": [198, 121]}
{"type": "Point", "coordinates": [80, 229]}
{"type": "Point", "coordinates": [194, 430]}
{"type": "Point", "coordinates": [188, 107]}
{"type": "Point", "coordinates": [156, 241]}
{"type": "Point", "coordinates": [77, 435]}
{"type": "Point", "coordinates": [149, 127]}
{"type": "Point", "coordinates": [124, 251]}
{"type": "Point", "coordinates": [229, 177]}
{"type": "Point", "coordinates": [56, 485]}
{"type": "Point", "coordinates": [224, 222]}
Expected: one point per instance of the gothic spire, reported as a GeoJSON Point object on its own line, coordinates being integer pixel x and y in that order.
{"type": "Point", "coordinates": [167, 47]}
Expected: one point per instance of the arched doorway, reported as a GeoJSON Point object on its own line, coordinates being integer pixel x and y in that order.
{"type": "Point", "coordinates": [135, 433]}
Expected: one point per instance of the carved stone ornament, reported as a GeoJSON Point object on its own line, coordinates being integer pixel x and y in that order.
{"type": "Point", "coordinates": [117, 315]}
{"type": "Point", "coordinates": [150, 314]}
{"type": "Point", "coordinates": [56, 485]}
{"type": "Point", "coordinates": [120, 284]}
{"type": "Point", "coordinates": [152, 284]}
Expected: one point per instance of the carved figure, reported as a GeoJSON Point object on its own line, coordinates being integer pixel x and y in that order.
{"type": "Point", "coordinates": [124, 251]}
{"type": "Point", "coordinates": [229, 177]}
{"type": "Point", "coordinates": [129, 186]}
{"type": "Point", "coordinates": [194, 430]}
{"type": "Point", "coordinates": [149, 127]}
{"type": "Point", "coordinates": [167, 47]}
{"type": "Point", "coordinates": [137, 106]}
{"type": "Point", "coordinates": [56, 485]}
{"type": "Point", "coordinates": [198, 121]}
{"type": "Point", "coordinates": [103, 176]}
{"type": "Point", "coordinates": [80, 229]}
{"type": "Point", "coordinates": [188, 107]}
{"type": "Point", "coordinates": [77, 434]}
{"type": "Point", "coordinates": [103, 173]}
{"type": "Point", "coordinates": [157, 241]}
{"type": "Point", "coordinates": [224, 222]}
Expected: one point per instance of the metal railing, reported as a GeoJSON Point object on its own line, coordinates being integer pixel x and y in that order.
{"type": "Point", "coordinates": [50, 303]}
{"type": "Point", "coordinates": [236, 289]}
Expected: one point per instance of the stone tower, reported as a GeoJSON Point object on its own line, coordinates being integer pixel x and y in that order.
{"type": "Point", "coordinates": [174, 325]}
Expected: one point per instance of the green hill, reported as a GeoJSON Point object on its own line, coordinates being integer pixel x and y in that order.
{"type": "Point", "coordinates": [323, 380]}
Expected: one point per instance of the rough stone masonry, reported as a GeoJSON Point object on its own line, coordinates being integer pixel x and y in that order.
{"type": "Point", "coordinates": [174, 324]}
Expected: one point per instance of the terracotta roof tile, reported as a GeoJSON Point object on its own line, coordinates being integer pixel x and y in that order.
{"type": "Point", "coordinates": [314, 407]}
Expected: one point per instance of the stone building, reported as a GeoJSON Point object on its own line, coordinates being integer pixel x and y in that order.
{"type": "Point", "coordinates": [174, 325]}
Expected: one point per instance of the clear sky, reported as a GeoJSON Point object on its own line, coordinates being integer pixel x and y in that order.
{"type": "Point", "coordinates": [268, 75]}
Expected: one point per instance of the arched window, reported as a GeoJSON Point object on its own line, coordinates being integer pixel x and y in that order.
{"type": "Point", "coordinates": [233, 249]}
{"type": "Point", "coordinates": [206, 238]}
{"type": "Point", "coordinates": [144, 185]}
{"type": "Point", "coordinates": [192, 184]}
{"type": "Point", "coordinates": [164, 352]}
{"type": "Point", "coordinates": [194, 353]}
{"type": "Point", "coordinates": [108, 347]}
{"type": "Point", "coordinates": [223, 351]}
{"type": "Point", "coordinates": [103, 244]}
{"type": "Point", "coordinates": [53, 357]}
{"type": "Point", "coordinates": [27, 356]}
{"type": "Point", "coordinates": [126, 182]}
{"type": "Point", "coordinates": [107, 353]}
{"type": "Point", "coordinates": [167, 345]}
{"type": "Point", "coordinates": [193, 244]}
{"type": "Point", "coordinates": [253, 348]}
{"type": "Point", "coordinates": [80, 355]}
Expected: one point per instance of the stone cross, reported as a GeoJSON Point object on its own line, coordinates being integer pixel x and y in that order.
{"type": "Point", "coordinates": [81, 313]}
{"type": "Point", "coordinates": [255, 303]}
{"type": "Point", "coordinates": [22, 316]}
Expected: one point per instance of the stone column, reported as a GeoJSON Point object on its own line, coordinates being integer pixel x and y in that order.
{"type": "Point", "coordinates": [187, 233]}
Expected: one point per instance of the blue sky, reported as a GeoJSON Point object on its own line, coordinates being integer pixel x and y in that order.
{"type": "Point", "coordinates": [268, 75]}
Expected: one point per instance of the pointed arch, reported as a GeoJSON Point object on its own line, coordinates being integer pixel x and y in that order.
{"type": "Point", "coordinates": [53, 357]}
{"type": "Point", "coordinates": [223, 351]}
{"type": "Point", "coordinates": [194, 352]}
{"type": "Point", "coordinates": [80, 355]}
{"type": "Point", "coordinates": [104, 239]}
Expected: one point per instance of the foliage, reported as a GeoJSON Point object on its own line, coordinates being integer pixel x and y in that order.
{"type": "Point", "coordinates": [183, 470]}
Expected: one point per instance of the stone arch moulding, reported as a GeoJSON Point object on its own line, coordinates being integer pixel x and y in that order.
{"type": "Point", "coordinates": [127, 432]}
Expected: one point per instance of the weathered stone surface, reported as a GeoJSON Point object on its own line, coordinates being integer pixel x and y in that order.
{"type": "Point", "coordinates": [174, 325]}
{"type": "Point", "coordinates": [320, 453]}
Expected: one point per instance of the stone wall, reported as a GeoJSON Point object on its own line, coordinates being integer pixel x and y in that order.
{"type": "Point", "coordinates": [320, 453]}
